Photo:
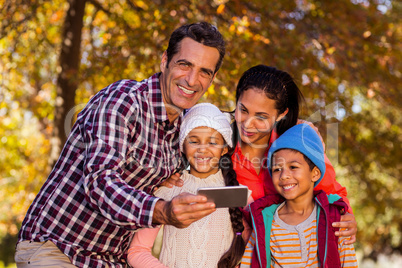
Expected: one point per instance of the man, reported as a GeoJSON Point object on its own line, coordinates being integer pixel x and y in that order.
{"type": "Point", "coordinates": [124, 143]}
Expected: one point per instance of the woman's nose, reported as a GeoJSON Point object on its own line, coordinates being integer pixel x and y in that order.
{"type": "Point", "coordinates": [248, 121]}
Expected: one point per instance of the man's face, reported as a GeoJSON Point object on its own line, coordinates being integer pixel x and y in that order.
{"type": "Point", "coordinates": [189, 74]}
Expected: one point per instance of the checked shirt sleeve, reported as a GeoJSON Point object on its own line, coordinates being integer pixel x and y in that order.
{"type": "Point", "coordinates": [107, 130]}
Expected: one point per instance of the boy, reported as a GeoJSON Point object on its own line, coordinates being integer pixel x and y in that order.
{"type": "Point", "coordinates": [294, 229]}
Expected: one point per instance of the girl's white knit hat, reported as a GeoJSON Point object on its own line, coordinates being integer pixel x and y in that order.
{"type": "Point", "coordinates": [206, 115]}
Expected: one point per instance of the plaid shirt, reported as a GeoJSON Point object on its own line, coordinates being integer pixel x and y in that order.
{"type": "Point", "coordinates": [120, 147]}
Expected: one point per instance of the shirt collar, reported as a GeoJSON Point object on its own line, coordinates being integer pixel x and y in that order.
{"type": "Point", "coordinates": [158, 106]}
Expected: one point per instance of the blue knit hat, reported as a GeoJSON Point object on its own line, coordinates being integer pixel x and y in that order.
{"type": "Point", "coordinates": [304, 139]}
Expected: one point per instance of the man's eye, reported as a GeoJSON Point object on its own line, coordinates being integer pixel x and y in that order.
{"type": "Point", "coordinates": [183, 65]}
{"type": "Point", "coordinates": [206, 74]}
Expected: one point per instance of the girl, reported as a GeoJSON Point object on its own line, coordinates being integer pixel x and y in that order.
{"type": "Point", "coordinates": [215, 240]}
{"type": "Point", "coordinates": [267, 104]}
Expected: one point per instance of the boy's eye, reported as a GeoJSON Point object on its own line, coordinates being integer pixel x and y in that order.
{"type": "Point", "coordinates": [276, 169]}
{"type": "Point", "coordinates": [293, 167]}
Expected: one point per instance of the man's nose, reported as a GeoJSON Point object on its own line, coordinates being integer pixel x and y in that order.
{"type": "Point", "coordinates": [192, 77]}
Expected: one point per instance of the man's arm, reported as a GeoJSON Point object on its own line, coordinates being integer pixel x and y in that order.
{"type": "Point", "coordinates": [107, 126]}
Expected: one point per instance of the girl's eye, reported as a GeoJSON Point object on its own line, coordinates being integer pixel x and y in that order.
{"type": "Point", "coordinates": [213, 143]}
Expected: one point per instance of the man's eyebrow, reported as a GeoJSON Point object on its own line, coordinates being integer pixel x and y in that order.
{"type": "Point", "coordinates": [185, 61]}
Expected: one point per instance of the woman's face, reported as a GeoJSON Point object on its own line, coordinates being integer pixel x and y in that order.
{"type": "Point", "coordinates": [255, 117]}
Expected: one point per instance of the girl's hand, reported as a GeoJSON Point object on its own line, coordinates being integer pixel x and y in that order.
{"type": "Point", "coordinates": [348, 222]}
{"type": "Point", "coordinates": [173, 180]}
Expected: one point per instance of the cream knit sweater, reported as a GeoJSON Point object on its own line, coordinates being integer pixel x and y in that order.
{"type": "Point", "coordinates": [203, 243]}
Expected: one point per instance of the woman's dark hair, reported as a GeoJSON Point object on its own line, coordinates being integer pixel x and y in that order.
{"type": "Point", "coordinates": [201, 32]}
{"type": "Point", "coordinates": [277, 85]}
{"type": "Point", "coordinates": [233, 255]}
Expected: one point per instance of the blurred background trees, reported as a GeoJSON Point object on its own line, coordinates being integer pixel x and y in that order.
{"type": "Point", "coordinates": [345, 55]}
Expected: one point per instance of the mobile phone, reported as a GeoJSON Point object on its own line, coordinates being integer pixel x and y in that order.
{"type": "Point", "coordinates": [228, 196]}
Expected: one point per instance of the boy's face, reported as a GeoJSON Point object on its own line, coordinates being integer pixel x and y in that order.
{"type": "Point", "coordinates": [292, 177]}
{"type": "Point", "coordinates": [203, 148]}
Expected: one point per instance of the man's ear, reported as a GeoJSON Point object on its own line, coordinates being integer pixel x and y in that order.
{"type": "Point", "coordinates": [163, 65]}
{"type": "Point", "coordinates": [282, 115]}
{"type": "Point", "coordinates": [316, 172]}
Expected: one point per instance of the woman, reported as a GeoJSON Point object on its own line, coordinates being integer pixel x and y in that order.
{"type": "Point", "coordinates": [267, 104]}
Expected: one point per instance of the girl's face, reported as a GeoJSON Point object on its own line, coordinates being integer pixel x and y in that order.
{"type": "Point", "coordinates": [203, 148]}
{"type": "Point", "coordinates": [256, 116]}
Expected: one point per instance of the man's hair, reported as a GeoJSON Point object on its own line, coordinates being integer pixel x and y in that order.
{"type": "Point", "coordinates": [201, 32]}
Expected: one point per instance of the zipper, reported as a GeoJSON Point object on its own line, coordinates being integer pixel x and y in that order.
{"type": "Point", "coordinates": [256, 236]}
{"type": "Point", "coordinates": [326, 232]}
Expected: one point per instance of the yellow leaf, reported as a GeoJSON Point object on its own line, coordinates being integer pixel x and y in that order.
{"type": "Point", "coordinates": [211, 90]}
{"type": "Point", "coordinates": [220, 9]}
{"type": "Point", "coordinates": [331, 50]}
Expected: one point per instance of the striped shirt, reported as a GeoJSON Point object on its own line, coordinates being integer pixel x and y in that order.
{"type": "Point", "coordinates": [296, 245]}
{"type": "Point", "coordinates": [120, 147]}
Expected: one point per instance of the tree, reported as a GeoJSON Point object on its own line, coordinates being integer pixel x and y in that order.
{"type": "Point", "coordinates": [345, 56]}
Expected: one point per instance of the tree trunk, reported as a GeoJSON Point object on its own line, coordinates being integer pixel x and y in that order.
{"type": "Point", "coordinates": [67, 81]}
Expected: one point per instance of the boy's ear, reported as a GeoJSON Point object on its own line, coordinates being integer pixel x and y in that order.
{"type": "Point", "coordinates": [316, 172]}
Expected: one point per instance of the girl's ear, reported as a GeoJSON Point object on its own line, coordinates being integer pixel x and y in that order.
{"type": "Point", "coordinates": [316, 174]}
{"type": "Point", "coordinates": [225, 150]}
{"type": "Point", "coordinates": [282, 115]}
